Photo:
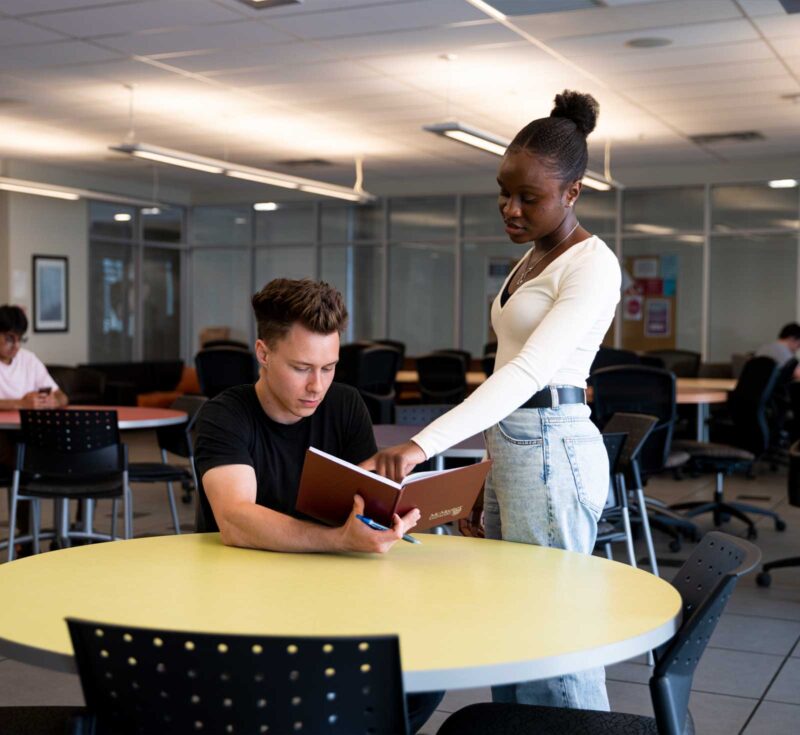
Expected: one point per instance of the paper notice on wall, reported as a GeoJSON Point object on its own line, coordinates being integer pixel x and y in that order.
{"type": "Point", "coordinates": [657, 318]}
{"type": "Point", "coordinates": [19, 285]}
{"type": "Point", "coordinates": [645, 268]}
{"type": "Point", "coordinates": [632, 308]}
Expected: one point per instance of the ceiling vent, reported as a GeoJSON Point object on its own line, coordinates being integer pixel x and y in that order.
{"type": "Point", "coordinates": [745, 136]}
{"type": "Point", "coordinates": [536, 7]}
{"type": "Point", "coordinates": [304, 162]}
{"type": "Point", "coordinates": [264, 4]}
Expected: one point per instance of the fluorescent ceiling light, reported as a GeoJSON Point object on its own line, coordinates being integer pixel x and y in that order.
{"type": "Point", "coordinates": [488, 9]}
{"type": "Point", "coordinates": [261, 179]}
{"type": "Point", "coordinates": [782, 183]}
{"type": "Point", "coordinates": [237, 171]}
{"type": "Point", "coordinates": [151, 211]}
{"type": "Point", "coordinates": [122, 217]}
{"type": "Point", "coordinates": [265, 206]}
{"type": "Point", "coordinates": [492, 143]}
{"type": "Point", "coordinates": [39, 190]}
{"type": "Point", "coordinates": [653, 229]}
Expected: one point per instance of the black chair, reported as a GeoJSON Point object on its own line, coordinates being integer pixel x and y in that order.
{"type": "Point", "coordinates": [396, 344]}
{"type": "Point", "coordinates": [715, 370]}
{"type": "Point", "coordinates": [442, 378]}
{"type": "Point", "coordinates": [611, 357]}
{"type": "Point", "coordinates": [177, 440]}
{"type": "Point", "coordinates": [376, 371]}
{"type": "Point", "coordinates": [684, 363]}
{"type": "Point", "coordinates": [347, 367]}
{"type": "Point", "coordinates": [235, 343]}
{"type": "Point", "coordinates": [81, 385]}
{"type": "Point", "coordinates": [219, 368]}
{"type": "Point", "coordinates": [737, 444]}
{"type": "Point", "coordinates": [641, 389]}
{"type": "Point", "coordinates": [705, 583]}
{"type": "Point", "coordinates": [39, 720]}
{"type": "Point", "coordinates": [616, 510]}
{"type": "Point", "coordinates": [490, 348]}
{"type": "Point", "coordinates": [487, 363]}
{"type": "Point", "coordinates": [141, 681]}
{"type": "Point", "coordinates": [70, 455]}
{"type": "Point", "coordinates": [463, 354]}
{"type": "Point", "coordinates": [419, 414]}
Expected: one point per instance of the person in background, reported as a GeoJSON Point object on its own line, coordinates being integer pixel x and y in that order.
{"type": "Point", "coordinates": [252, 439]}
{"type": "Point", "coordinates": [24, 380]}
{"type": "Point", "coordinates": [784, 348]}
{"type": "Point", "coordinates": [549, 479]}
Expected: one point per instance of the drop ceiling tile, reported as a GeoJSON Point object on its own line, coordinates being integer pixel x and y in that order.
{"type": "Point", "coordinates": [219, 35]}
{"type": "Point", "coordinates": [675, 58]}
{"type": "Point", "coordinates": [328, 72]}
{"type": "Point", "coordinates": [760, 8]}
{"type": "Point", "coordinates": [681, 36]}
{"type": "Point", "coordinates": [626, 18]}
{"type": "Point", "coordinates": [379, 19]}
{"type": "Point", "coordinates": [249, 57]}
{"type": "Point", "coordinates": [51, 54]}
{"type": "Point", "coordinates": [787, 47]}
{"type": "Point", "coordinates": [308, 7]}
{"type": "Point", "coordinates": [780, 26]}
{"type": "Point", "coordinates": [30, 7]}
{"type": "Point", "coordinates": [15, 32]}
{"type": "Point", "coordinates": [698, 73]}
{"type": "Point", "coordinates": [431, 41]}
{"type": "Point", "coordinates": [128, 18]}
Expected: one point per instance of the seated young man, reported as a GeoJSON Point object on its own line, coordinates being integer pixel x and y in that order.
{"type": "Point", "coordinates": [24, 380]}
{"type": "Point", "coordinates": [252, 439]}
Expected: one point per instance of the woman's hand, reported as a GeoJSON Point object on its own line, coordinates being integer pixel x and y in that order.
{"type": "Point", "coordinates": [395, 462]}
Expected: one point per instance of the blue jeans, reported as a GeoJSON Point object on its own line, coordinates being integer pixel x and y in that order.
{"type": "Point", "coordinates": [547, 486]}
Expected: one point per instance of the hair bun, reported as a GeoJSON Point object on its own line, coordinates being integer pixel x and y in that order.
{"type": "Point", "coordinates": [581, 108]}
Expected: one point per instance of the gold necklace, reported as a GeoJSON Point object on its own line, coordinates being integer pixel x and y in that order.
{"type": "Point", "coordinates": [521, 277]}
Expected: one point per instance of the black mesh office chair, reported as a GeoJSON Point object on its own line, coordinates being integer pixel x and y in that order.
{"type": "Point", "coordinates": [376, 371]}
{"type": "Point", "coordinates": [737, 445]}
{"type": "Point", "coordinates": [219, 368]}
{"type": "Point", "coordinates": [81, 385]}
{"type": "Point", "coordinates": [177, 440]}
{"type": "Point", "coordinates": [442, 378]}
{"type": "Point", "coordinates": [141, 681]}
{"type": "Point", "coordinates": [347, 367]}
{"type": "Point", "coordinates": [610, 357]}
{"type": "Point", "coordinates": [651, 391]}
{"type": "Point", "coordinates": [684, 363]}
{"type": "Point", "coordinates": [487, 363]}
{"type": "Point", "coordinates": [396, 344]}
{"type": "Point", "coordinates": [705, 582]}
{"type": "Point", "coordinates": [615, 524]}
{"type": "Point", "coordinates": [465, 355]}
{"type": "Point", "coordinates": [68, 455]}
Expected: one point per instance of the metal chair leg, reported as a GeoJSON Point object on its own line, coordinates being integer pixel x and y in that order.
{"type": "Point", "coordinates": [127, 507]}
{"type": "Point", "coordinates": [36, 517]}
{"type": "Point", "coordinates": [12, 515]}
{"type": "Point", "coordinates": [648, 537]}
{"type": "Point", "coordinates": [173, 508]}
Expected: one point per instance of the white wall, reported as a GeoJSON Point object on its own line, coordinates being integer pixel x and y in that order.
{"type": "Point", "coordinates": [36, 225]}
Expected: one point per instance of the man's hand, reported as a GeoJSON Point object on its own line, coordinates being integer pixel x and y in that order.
{"type": "Point", "coordinates": [395, 462]}
{"type": "Point", "coordinates": [358, 536]}
{"type": "Point", "coordinates": [34, 399]}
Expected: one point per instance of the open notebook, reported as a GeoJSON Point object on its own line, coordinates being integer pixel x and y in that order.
{"type": "Point", "coordinates": [328, 484]}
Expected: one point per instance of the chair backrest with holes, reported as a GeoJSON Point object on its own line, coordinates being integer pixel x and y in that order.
{"type": "Point", "coordinates": [705, 582]}
{"type": "Point", "coordinates": [60, 443]}
{"type": "Point", "coordinates": [148, 682]}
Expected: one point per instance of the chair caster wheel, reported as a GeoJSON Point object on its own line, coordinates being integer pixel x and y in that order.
{"type": "Point", "coordinates": [780, 525]}
{"type": "Point", "coordinates": [752, 533]}
{"type": "Point", "coordinates": [675, 545]}
{"type": "Point", "coordinates": [764, 579]}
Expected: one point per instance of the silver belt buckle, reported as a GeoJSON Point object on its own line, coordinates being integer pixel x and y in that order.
{"type": "Point", "coordinates": [554, 401]}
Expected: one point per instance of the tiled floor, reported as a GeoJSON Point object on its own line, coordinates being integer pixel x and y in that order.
{"type": "Point", "coordinates": [748, 681]}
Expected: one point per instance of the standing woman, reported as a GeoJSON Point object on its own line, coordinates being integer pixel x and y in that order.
{"type": "Point", "coordinates": [549, 479]}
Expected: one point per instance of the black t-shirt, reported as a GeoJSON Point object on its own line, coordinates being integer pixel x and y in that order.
{"type": "Point", "coordinates": [233, 429]}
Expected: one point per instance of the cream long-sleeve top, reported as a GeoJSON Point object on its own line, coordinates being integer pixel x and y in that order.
{"type": "Point", "coordinates": [548, 333]}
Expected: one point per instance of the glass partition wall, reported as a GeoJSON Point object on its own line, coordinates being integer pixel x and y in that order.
{"type": "Point", "coordinates": [712, 269]}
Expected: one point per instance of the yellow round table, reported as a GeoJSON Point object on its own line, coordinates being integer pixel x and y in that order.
{"type": "Point", "coordinates": [469, 612]}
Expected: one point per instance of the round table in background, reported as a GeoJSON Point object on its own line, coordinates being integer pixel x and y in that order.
{"type": "Point", "coordinates": [129, 417]}
{"type": "Point", "coordinates": [469, 612]}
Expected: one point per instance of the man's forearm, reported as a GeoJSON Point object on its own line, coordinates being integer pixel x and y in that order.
{"type": "Point", "coordinates": [255, 527]}
{"type": "Point", "coordinates": [10, 404]}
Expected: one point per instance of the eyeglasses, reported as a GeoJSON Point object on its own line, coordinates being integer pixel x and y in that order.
{"type": "Point", "coordinates": [12, 339]}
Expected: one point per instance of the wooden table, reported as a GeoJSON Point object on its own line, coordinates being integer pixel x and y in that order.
{"type": "Point", "coordinates": [411, 377]}
{"type": "Point", "coordinates": [469, 612]}
{"type": "Point", "coordinates": [129, 417]}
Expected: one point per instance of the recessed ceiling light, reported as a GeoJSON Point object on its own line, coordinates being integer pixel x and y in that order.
{"type": "Point", "coordinates": [122, 217]}
{"type": "Point", "coordinates": [151, 211]}
{"type": "Point", "coordinates": [782, 183]}
{"type": "Point", "coordinates": [265, 206]}
{"type": "Point", "coordinates": [651, 42]}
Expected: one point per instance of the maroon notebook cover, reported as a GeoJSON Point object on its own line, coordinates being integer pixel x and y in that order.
{"type": "Point", "coordinates": [328, 484]}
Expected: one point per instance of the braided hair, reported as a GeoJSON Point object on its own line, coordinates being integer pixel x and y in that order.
{"type": "Point", "coordinates": [561, 138]}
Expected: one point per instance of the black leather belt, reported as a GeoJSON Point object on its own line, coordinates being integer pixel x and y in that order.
{"type": "Point", "coordinates": [544, 398]}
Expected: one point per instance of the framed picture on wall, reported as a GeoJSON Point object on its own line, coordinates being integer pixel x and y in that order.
{"type": "Point", "coordinates": [50, 293]}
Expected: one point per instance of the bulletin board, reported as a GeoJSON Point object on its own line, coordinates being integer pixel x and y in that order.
{"type": "Point", "coordinates": [649, 302]}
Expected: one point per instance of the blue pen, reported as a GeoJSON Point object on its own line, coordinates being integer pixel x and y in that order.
{"type": "Point", "coordinates": [378, 527]}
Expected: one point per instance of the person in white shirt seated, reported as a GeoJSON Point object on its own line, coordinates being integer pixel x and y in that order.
{"type": "Point", "coordinates": [784, 348]}
{"type": "Point", "coordinates": [24, 380]}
